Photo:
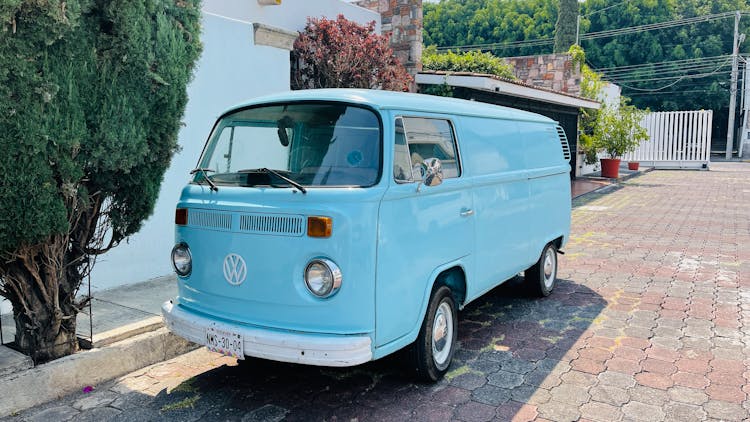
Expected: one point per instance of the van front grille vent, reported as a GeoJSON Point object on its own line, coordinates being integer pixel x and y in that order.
{"type": "Point", "coordinates": [278, 224]}
{"type": "Point", "coordinates": [213, 220]}
{"type": "Point", "coordinates": [564, 142]}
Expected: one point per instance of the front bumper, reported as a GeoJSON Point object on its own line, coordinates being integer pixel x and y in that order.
{"type": "Point", "coordinates": [309, 349]}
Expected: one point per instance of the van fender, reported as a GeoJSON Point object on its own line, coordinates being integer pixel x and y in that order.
{"type": "Point", "coordinates": [411, 336]}
{"type": "Point", "coordinates": [559, 240]}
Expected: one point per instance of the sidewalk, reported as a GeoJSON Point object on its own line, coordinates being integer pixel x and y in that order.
{"type": "Point", "coordinates": [116, 314]}
{"type": "Point", "coordinates": [128, 334]}
{"type": "Point", "coordinates": [594, 181]}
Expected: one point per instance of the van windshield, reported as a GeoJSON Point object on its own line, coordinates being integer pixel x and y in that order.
{"type": "Point", "coordinates": [313, 144]}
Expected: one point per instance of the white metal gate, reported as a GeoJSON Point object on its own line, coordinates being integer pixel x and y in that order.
{"type": "Point", "coordinates": [678, 139]}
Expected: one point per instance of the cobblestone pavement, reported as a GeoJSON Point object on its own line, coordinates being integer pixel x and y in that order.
{"type": "Point", "coordinates": [651, 322]}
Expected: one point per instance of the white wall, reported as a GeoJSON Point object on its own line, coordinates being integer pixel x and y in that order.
{"type": "Point", "coordinates": [610, 95]}
{"type": "Point", "coordinates": [231, 70]}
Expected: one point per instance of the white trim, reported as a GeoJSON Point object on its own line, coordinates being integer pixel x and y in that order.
{"type": "Point", "coordinates": [486, 83]}
{"type": "Point", "coordinates": [309, 349]}
{"type": "Point", "coordinates": [216, 15]}
{"type": "Point", "coordinates": [273, 37]}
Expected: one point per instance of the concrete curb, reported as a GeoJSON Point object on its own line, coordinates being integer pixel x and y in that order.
{"type": "Point", "coordinates": [125, 332]}
{"type": "Point", "coordinates": [44, 383]}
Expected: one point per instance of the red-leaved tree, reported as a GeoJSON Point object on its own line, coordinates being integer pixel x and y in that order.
{"type": "Point", "coordinates": [343, 54]}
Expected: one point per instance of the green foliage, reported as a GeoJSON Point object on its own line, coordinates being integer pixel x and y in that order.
{"type": "Point", "coordinates": [565, 28]}
{"type": "Point", "coordinates": [339, 53]}
{"type": "Point", "coordinates": [471, 61]}
{"type": "Point", "coordinates": [91, 95]}
{"type": "Point", "coordinates": [617, 131]}
{"type": "Point", "coordinates": [591, 81]}
{"type": "Point", "coordinates": [443, 90]}
{"type": "Point", "coordinates": [587, 121]}
{"type": "Point", "coordinates": [464, 22]}
{"type": "Point", "coordinates": [468, 22]}
{"type": "Point", "coordinates": [705, 39]}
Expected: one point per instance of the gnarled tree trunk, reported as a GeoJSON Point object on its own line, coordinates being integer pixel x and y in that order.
{"type": "Point", "coordinates": [41, 284]}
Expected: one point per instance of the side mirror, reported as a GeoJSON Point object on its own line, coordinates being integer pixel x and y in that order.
{"type": "Point", "coordinates": [432, 172]}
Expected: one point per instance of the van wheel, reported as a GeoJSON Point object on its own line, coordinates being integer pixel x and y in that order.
{"type": "Point", "coordinates": [433, 350]}
{"type": "Point", "coordinates": [540, 278]}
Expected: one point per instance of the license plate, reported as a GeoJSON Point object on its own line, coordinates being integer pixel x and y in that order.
{"type": "Point", "coordinates": [224, 341]}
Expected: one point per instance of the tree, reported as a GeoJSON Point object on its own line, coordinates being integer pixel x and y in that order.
{"type": "Point", "coordinates": [91, 94]}
{"type": "Point", "coordinates": [565, 28]}
{"type": "Point", "coordinates": [617, 131]}
{"type": "Point", "coordinates": [476, 22]}
{"type": "Point", "coordinates": [343, 54]}
{"type": "Point", "coordinates": [462, 22]}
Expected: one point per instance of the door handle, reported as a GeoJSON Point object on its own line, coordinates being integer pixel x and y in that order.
{"type": "Point", "coordinates": [467, 212]}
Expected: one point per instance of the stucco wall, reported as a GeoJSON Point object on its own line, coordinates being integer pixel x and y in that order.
{"type": "Point", "coordinates": [231, 70]}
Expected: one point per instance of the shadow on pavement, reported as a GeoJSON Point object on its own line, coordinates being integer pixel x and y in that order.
{"type": "Point", "coordinates": [509, 344]}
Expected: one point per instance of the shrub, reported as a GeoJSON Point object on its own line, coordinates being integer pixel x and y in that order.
{"type": "Point", "coordinates": [343, 54]}
{"type": "Point", "coordinates": [617, 131]}
{"type": "Point", "coordinates": [91, 95]}
{"type": "Point", "coordinates": [470, 61]}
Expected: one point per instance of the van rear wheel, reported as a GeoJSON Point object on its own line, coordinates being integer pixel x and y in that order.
{"type": "Point", "coordinates": [431, 354]}
{"type": "Point", "coordinates": [541, 277]}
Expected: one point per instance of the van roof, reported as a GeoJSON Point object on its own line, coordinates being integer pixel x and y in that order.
{"type": "Point", "coordinates": [383, 100]}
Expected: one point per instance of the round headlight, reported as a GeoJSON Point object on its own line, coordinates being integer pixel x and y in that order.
{"type": "Point", "coordinates": [182, 261]}
{"type": "Point", "coordinates": [322, 277]}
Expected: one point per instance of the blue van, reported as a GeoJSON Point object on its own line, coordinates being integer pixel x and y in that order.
{"type": "Point", "coordinates": [334, 227]}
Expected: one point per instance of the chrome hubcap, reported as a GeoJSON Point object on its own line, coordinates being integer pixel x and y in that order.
{"type": "Point", "coordinates": [550, 267]}
{"type": "Point", "coordinates": [442, 334]}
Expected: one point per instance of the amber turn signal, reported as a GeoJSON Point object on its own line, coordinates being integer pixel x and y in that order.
{"type": "Point", "coordinates": [180, 216]}
{"type": "Point", "coordinates": [319, 226]}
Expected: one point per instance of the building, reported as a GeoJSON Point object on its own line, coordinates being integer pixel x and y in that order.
{"type": "Point", "coordinates": [560, 106]}
{"type": "Point", "coordinates": [246, 45]}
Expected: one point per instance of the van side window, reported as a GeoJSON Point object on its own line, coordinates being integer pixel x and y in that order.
{"type": "Point", "coordinates": [419, 138]}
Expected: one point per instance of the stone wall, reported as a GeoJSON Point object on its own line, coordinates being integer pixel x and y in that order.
{"type": "Point", "coordinates": [551, 71]}
{"type": "Point", "coordinates": [402, 20]}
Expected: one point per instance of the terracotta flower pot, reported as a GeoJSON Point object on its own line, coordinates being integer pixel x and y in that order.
{"type": "Point", "coordinates": [633, 165]}
{"type": "Point", "coordinates": [610, 167]}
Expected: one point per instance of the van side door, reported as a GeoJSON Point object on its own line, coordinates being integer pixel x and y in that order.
{"type": "Point", "coordinates": [495, 154]}
{"type": "Point", "coordinates": [421, 228]}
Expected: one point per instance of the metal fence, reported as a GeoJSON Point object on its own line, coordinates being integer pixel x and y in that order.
{"type": "Point", "coordinates": [678, 139]}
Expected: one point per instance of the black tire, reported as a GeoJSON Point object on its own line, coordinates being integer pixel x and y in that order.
{"type": "Point", "coordinates": [541, 277]}
{"type": "Point", "coordinates": [430, 364]}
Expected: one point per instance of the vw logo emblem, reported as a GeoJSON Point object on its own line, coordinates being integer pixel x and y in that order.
{"type": "Point", "coordinates": [235, 269]}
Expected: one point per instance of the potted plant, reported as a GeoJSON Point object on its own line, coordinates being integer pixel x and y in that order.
{"type": "Point", "coordinates": [616, 131]}
{"type": "Point", "coordinates": [633, 165]}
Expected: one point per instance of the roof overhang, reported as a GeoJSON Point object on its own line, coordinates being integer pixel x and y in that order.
{"type": "Point", "coordinates": [490, 84]}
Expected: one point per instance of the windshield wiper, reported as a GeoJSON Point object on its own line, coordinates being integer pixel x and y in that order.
{"type": "Point", "coordinates": [277, 174]}
{"type": "Point", "coordinates": [205, 176]}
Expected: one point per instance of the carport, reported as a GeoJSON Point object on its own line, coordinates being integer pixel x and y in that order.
{"type": "Point", "coordinates": [559, 106]}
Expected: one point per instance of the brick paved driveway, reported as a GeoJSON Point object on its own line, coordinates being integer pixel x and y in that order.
{"type": "Point", "coordinates": [651, 321]}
